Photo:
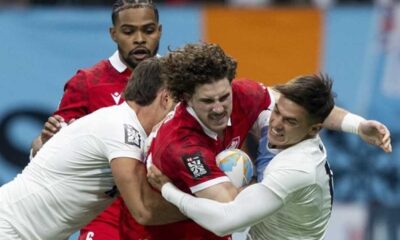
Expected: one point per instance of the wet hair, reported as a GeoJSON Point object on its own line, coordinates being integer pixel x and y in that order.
{"type": "Point", "coordinates": [313, 93]}
{"type": "Point", "coordinates": [145, 82]}
{"type": "Point", "coordinates": [120, 5]}
{"type": "Point", "coordinates": [193, 65]}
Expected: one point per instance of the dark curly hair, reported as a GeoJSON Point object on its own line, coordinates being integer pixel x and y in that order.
{"type": "Point", "coordinates": [120, 5]}
{"type": "Point", "coordinates": [195, 64]}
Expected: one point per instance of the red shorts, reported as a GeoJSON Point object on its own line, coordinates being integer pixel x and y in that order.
{"type": "Point", "coordinates": [105, 225]}
{"type": "Point", "coordinates": [184, 230]}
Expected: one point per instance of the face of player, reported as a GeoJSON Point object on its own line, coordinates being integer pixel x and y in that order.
{"type": "Point", "coordinates": [137, 35]}
{"type": "Point", "coordinates": [289, 124]}
{"type": "Point", "coordinates": [213, 104]}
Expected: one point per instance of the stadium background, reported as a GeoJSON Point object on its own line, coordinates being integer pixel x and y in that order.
{"type": "Point", "coordinates": [359, 46]}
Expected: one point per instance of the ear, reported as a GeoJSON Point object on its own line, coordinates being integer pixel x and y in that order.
{"type": "Point", "coordinates": [164, 99]}
{"type": "Point", "coordinates": [160, 28]}
{"type": "Point", "coordinates": [314, 130]}
{"type": "Point", "coordinates": [113, 34]}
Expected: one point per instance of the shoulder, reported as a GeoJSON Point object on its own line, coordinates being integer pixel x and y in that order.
{"type": "Point", "coordinates": [90, 74]}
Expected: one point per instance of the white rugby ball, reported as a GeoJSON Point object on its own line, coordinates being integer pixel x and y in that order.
{"type": "Point", "coordinates": [237, 165]}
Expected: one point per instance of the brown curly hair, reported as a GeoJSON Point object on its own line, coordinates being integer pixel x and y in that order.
{"type": "Point", "coordinates": [195, 64]}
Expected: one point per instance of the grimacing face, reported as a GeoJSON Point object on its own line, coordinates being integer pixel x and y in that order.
{"type": "Point", "coordinates": [137, 35]}
{"type": "Point", "coordinates": [212, 103]}
{"type": "Point", "coordinates": [289, 124]}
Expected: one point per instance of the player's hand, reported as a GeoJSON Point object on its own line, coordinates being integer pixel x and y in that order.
{"type": "Point", "coordinates": [52, 126]}
{"type": "Point", "coordinates": [375, 133]}
{"type": "Point", "coordinates": [156, 178]}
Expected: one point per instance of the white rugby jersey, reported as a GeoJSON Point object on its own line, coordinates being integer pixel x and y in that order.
{"type": "Point", "coordinates": [292, 202]}
{"type": "Point", "coordinates": [301, 177]}
{"type": "Point", "coordinates": [69, 182]}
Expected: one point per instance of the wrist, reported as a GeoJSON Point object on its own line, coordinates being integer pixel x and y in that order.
{"type": "Point", "coordinates": [351, 123]}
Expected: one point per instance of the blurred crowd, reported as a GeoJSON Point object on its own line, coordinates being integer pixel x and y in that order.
{"type": "Point", "coordinates": [258, 3]}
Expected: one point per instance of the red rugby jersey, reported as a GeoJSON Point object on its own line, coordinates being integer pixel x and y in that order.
{"type": "Point", "coordinates": [186, 154]}
{"type": "Point", "coordinates": [91, 89]}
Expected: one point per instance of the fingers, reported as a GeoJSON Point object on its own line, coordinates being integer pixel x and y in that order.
{"type": "Point", "coordinates": [154, 177]}
{"type": "Point", "coordinates": [51, 127]}
{"type": "Point", "coordinates": [54, 123]}
{"type": "Point", "coordinates": [385, 138]}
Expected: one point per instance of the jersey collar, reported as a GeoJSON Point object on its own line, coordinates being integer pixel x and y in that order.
{"type": "Point", "coordinates": [117, 63]}
{"type": "Point", "coordinates": [206, 130]}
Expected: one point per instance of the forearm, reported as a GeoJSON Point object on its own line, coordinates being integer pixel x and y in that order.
{"type": "Point", "coordinates": [160, 211]}
{"type": "Point", "coordinates": [251, 206]}
{"type": "Point", "coordinates": [341, 120]}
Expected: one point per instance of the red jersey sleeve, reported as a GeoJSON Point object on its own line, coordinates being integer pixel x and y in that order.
{"type": "Point", "coordinates": [74, 103]}
{"type": "Point", "coordinates": [192, 167]}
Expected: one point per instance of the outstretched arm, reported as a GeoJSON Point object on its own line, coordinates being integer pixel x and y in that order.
{"type": "Point", "coordinates": [371, 131]}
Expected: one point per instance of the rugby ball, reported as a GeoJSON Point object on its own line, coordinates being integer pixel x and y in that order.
{"type": "Point", "coordinates": [237, 165]}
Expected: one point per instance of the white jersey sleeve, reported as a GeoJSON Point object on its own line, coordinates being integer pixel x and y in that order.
{"type": "Point", "coordinates": [213, 215]}
{"type": "Point", "coordinates": [126, 141]}
{"type": "Point", "coordinates": [124, 137]}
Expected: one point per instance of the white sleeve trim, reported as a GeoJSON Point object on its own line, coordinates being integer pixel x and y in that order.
{"type": "Point", "coordinates": [209, 183]}
{"type": "Point", "coordinates": [126, 154]}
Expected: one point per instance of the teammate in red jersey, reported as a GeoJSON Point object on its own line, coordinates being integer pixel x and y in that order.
{"type": "Point", "coordinates": [136, 31]}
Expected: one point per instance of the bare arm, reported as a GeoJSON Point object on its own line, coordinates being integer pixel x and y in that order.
{"type": "Point", "coordinates": [335, 119]}
{"type": "Point", "coordinates": [370, 131]}
{"type": "Point", "coordinates": [147, 206]}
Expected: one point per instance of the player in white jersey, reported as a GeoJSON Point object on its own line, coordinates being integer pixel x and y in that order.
{"type": "Point", "coordinates": [74, 176]}
{"type": "Point", "coordinates": [294, 200]}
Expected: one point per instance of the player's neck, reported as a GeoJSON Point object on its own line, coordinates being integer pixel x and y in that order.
{"type": "Point", "coordinates": [145, 115]}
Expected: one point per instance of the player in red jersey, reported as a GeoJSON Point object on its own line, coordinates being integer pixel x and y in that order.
{"type": "Point", "coordinates": [215, 113]}
{"type": "Point", "coordinates": [136, 31]}
{"type": "Point", "coordinates": [212, 117]}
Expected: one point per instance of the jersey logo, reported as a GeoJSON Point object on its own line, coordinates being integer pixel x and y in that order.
{"type": "Point", "coordinates": [234, 143]}
{"type": "Point", "coordinates": [195, 164]}
{"type": "Point", "coordinates": [132, 136]}
{"type": "Point", "coordinates": [116, 96]}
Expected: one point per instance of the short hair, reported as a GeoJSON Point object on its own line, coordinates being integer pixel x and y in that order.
{"type": "Point", "coordinates": [196, 64]}
{"type": "Point", "coordinates": [313, 93]}
{"type": "Point", "coordinates": [145, 82]}
{"type": "Point", "coordinates": [120, 5]}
